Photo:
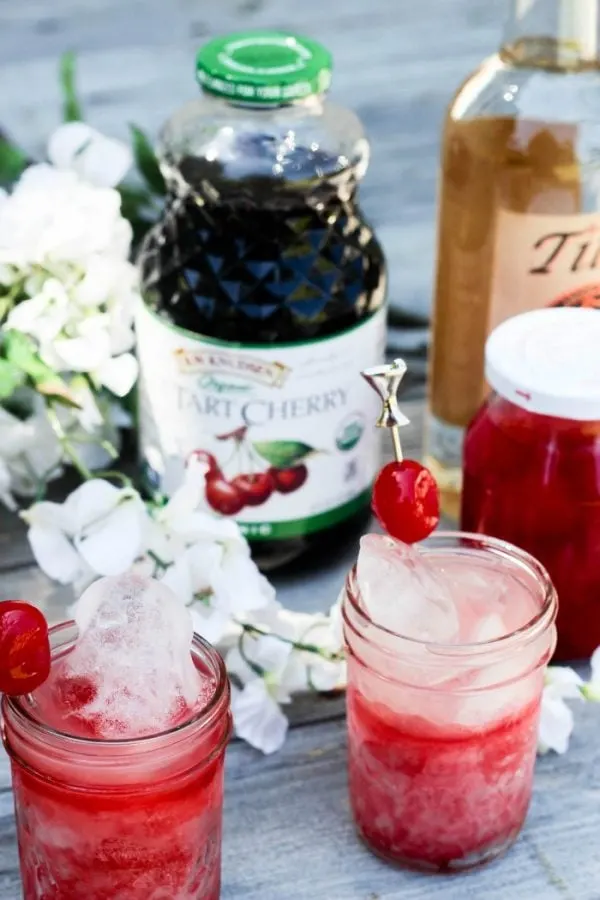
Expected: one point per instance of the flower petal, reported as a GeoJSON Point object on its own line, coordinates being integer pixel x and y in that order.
{"type": "Point", "coordinates": [97, 158]}
{"type": "Point", "coordinates": [98, 281]}
{"type": "Point", "coordinates": [595, 665]}
{"type": "Point", "coordinates": [186, 485]}
{"type": "Point", "coordinates": [118, 374]}
{"type": "Point", "coordinates": [325, 675]}
{"type": "Point", "coordinates": [563, 681]}
{"type": "Point", "coordinates": [56, 516]}
{"type": "Point", "coordinates": [267, 653]}
{"type": "Point", "coordinates": [179, 578]}
{"type": "Point", "coordinates": [257, 718]}
{"type": "Point", "coordinates": [239, 585]}
{"type": "Point", "coordinates": [91, 501]}
{"type": "Point", "coordinates": [111, 545]}
{"type": "Point", "coordinates": [55, 554]}
{"type": "Point", "coordinates": [210, 622]}
{"type": "Point", "coordinates": [83, 354]}
{"type": "Point", "coordinates": [556, 724]}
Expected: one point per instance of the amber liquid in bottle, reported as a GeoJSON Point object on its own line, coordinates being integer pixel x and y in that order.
{"type": "Point", "coordinates": [519, 214]}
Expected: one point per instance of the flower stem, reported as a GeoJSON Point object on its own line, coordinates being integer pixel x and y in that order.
{"type": "Point", "coordinates": [158, 562]}
{"type": "Point", "coordinates": [66, 445]}
{"type": "Point", "coordinates": [117, 476]}
{"type": "Point", "coordinates": [298, 645]}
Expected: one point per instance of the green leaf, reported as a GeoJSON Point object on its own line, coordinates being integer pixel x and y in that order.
{"type": "Point", "coordinates": [133, 201]}
{"type": "Point", "coordinates": [12, 162]}
{"type": "Point", "coordinates": [283, 454]}
{"type": "Point", "coordinates": [20, 352]}
{"type": "Point", "coordinates": [137, 208]}
{"type": "Point", "coordinates": [72, 111]}
{"type": "Point", "coordinates": [145, 159]}
{"type": "Point", "coordinates": [11, 377]}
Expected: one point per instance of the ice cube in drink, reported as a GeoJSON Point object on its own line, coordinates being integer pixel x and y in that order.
{"type": "Point", "coordinates": [447, 647]}
{"type": "Point", "coordinates": [117, 760]}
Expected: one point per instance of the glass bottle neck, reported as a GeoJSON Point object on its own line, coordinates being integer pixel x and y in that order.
{"type": "Point", "coordinates": [553, 34]}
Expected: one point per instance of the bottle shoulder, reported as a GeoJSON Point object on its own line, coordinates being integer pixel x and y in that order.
{"type": "Point", "coordinates": [287, 141]}
{"type": "Point", "coordinates": [499, 88]}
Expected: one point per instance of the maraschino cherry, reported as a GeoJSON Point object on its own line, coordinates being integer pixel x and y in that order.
{"type": "Point", "coordinates": [24, 648]}
{"type": "Point", "coordinates": [405, 494]}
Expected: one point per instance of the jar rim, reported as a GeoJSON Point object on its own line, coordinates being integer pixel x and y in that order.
{"type": "Point", "coordinates": [526, 633]}
{"type": "Point", "coordinates": [204, 716]}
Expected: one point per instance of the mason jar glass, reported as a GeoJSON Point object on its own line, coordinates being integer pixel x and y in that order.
{"type": "Point", "coordinates": [442, 738]}
{"type": "Point", "coordinates": [133, 818]}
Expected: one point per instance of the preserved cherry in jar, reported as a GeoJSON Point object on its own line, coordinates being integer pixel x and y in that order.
{"type": "Point", "coordinates": [532, 458]}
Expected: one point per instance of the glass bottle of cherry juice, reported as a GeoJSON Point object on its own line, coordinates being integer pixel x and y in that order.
{"type": "Point", "coordinates": [264, 297]}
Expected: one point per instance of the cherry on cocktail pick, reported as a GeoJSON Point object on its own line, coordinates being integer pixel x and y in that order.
{"type": "Point", "coordinates": [24, 648]}
{"type": "Point", "coordinates": [405, 494]}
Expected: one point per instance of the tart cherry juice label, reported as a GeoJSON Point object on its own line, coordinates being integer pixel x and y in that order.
{"type": "Point", "coordinates": [544, 261]}
{"type": "Point", "coordinates": [288, 430]}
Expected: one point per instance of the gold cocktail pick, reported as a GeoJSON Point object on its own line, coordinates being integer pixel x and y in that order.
{"type": "Point", "coordinates": [386, 381]}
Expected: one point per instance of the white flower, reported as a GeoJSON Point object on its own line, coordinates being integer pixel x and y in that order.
{"type": "Point", "coordinates": [96, 531]}
{"type": "Point", "coordinates": [289, 650]}
{"type": "Point", "coordinates": [591, 691]}
{"type": "Point", "coordinates": [210, 563]}
{"type": "Point", "coordinates": [29, 447]}
{"type": "Point", "coordinates": [69, 244]}
{"type": "Point", "coordinates": [257, 717]}
{"type": "Point", "coordinates": [93, 427]}
{"type": "Point", "coordinates": [54, 216]}
{"type": "Point", "coordinates": [96, 158]}
{"type": "Point", "coordinates": [89, 350]}
{"type": "Point", "coordinates": [268, 657]}
{"type": "Point", "coordinates": [222, 580]}
{"type": "Point", "coordinates": [556, 719]}
{"type": "Point", "coordinates": [44, 315]}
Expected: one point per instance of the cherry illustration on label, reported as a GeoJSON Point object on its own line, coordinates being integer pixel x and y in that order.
{"type": "Point", "coordinates": [288, 480]}
{"type": "Point", "coordinates": [255, 488]}
{"type": "Point", "coordinates": [209, 460]}
{"type": "Point", "coordinates": [24, 648]}
{"type": "Point", "coordinates": [254, 471]}
{"type": "Point", "coordinates": [405, 494]}
{"type": "Point", "coordinates": [223, 496]}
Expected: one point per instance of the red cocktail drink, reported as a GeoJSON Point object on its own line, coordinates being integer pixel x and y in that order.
{"type": "Point", "coordinates": [442, 735]}
{"type": "Point", "coordinates": [120, 819]}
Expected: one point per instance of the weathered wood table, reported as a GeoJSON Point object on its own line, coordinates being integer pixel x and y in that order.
{"type": "Point", "coordinates": [288, 833]}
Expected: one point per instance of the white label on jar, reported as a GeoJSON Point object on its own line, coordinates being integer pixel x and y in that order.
{"type": "Point", "coordinates": [300, 411]}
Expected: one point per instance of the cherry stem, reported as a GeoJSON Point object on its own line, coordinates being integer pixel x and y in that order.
{"type": "Point", "coordinates": [397, 445]}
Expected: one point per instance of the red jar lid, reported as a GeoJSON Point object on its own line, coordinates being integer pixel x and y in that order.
{"type": "Point", "coordinates": [548, 361]}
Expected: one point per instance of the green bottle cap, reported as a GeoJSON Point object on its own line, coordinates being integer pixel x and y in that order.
{"type": "Point", "coordinates": [266, 67]}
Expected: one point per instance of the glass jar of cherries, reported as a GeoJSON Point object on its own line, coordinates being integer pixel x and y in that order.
{"type": "Point", "coordinates": [532, 458]}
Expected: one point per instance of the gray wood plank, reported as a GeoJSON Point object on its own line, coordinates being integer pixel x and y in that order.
{"type": "Point", "coordinates": [288, 834]}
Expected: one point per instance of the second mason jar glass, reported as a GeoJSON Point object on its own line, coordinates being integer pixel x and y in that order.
{"type": "Point", "coordinates": [129, 819]}
{"type": "Point", "coordinates": [442, 738]}
{"type": "Point", "coordinates": [532, 458]}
